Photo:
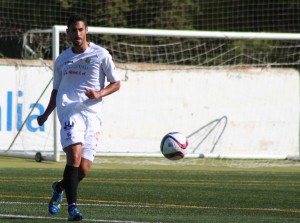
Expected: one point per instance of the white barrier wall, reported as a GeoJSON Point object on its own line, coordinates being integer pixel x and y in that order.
{"type": "Point", "coordinates": [22, 83]}
{"type": "Point", "coordinates": [261, 107]}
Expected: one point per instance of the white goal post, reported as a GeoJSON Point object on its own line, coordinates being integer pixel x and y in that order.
{"type": "Point", "coordinates": [57, 29]}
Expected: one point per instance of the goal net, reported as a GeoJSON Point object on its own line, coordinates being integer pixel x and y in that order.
{"type": "Point", "coordinates": [209, 15]}
{"type": "Point", "coordinates": [176, 35]}
{"type": "Point", "coordinates": [179, 47]}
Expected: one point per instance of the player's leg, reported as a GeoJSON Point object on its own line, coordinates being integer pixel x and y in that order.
{"type": "Point", "coordinates": [70, 180]}
{"type": "Point", "coordinates": [84, 168]}
{"type": "Point", "coordinates": [71, 171]}
{"type": "Point", "coordinates": [71, 190]}
{"type": "Point", "coordinates": [87, 157]}
{"type": "Point", "coordinates": [91, 139]}
{"type": "Point", "coordinates": [56, 199]}
{"type": "Point", "coordinates": [72, 136]}
{"type": "Point", "coordinates": [70, 177]}
{"type": "Point", "coordinates": [58, 187]}
{"type": "Point", "coordinates": [81, 165]}
{"type": "Point", "coordinates": [90, 136]}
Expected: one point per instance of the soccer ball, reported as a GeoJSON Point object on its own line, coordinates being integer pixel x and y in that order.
{"type": "Point", "coordinates": [173, 145]}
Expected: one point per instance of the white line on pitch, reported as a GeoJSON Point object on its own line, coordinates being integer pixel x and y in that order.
{"type": "Point", "coordinates": [89, 220]}
{"type": "Point", "coordinates": [57, 218]}
{"type": "Point", "coordinates": [97, 205]}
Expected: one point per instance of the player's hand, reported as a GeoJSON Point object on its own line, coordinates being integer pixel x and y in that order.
{"type": "Point", "coordinates": [91, 94]}
{"type": "Point", "coordinates": [41, 120]}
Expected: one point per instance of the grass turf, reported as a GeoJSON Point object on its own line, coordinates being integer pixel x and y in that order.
{"type": "Point", "coordinates": [141, 190]}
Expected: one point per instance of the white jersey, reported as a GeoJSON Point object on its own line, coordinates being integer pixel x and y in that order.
{"type": "Point", "coordinates": [73, 73]}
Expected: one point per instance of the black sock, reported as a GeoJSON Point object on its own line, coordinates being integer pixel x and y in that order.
{"type": "Point", "coordinates": [71, 183]}
{"type": "Point", "coordinates": [60, 186]}
{"type": "Point", "coordinates": [80, 177]}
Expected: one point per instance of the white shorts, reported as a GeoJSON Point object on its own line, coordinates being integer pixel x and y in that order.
{"type": "Point", "coordinates": [79, 128]}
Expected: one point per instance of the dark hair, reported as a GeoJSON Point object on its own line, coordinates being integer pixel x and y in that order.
{"type": "Point", "coordinates": [75, 18]}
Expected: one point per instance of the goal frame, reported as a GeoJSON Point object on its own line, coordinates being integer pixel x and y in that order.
{"type": "Point", "coordinates": [56, 30]}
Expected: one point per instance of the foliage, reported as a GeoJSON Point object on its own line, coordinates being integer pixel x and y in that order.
{"type": "Point", "coordinates": [18, 16]}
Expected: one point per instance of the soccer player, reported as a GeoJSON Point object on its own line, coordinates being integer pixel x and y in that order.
{"type": "Point", "coordinates": [80, 73]}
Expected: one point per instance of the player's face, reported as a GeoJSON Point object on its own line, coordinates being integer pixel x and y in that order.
{"type": "Point", "coordinates": [77, 34]}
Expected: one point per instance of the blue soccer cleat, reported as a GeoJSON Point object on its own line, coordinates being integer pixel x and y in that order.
{"type": "Point", "coordinates": [56, 200]}
{"type": "Point", "coordinates": [74, 214]}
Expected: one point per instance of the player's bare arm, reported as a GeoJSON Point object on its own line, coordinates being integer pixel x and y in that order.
{"type": "Point", "coordinates": [51, 106]}
{"type": "Point", "coordinates": [109, 89]}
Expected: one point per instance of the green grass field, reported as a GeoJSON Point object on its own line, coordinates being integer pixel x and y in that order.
{"type": "Point", "coordinates": [140, 190]}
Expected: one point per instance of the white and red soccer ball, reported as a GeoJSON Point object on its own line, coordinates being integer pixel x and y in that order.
{"type": "Point", "coordinates": [174, 145]}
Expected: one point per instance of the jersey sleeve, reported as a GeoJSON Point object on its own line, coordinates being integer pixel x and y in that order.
{"type": "Point", "coordinates": [109, 68]}
{"type": "Point", "coordinates": [56, 75]}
